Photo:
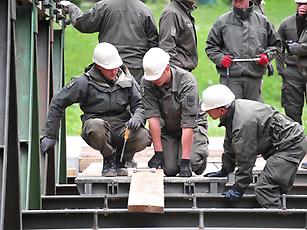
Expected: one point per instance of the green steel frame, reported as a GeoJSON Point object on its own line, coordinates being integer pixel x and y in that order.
{"type": "Point", "coordinates": [31, 71]}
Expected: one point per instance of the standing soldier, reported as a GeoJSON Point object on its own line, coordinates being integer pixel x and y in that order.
{"type": "Point", "coordinates": [242, 34]}
{"type": "Point", "coordinates": [254, 128]}
{"type": "Point", "coordinates": [294, 82]}
{"type": "Point", "coordinates": [111, 102]}
{"type": "Point", "coordinates": [128, 25]}
{"type": "Point", "coordinates": [299, 48]}
{"type": "Point", "coordinates": [177, 35]}
{"type": "Point", "coordinates": [178, 129]}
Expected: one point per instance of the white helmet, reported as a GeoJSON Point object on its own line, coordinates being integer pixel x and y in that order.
{"type": "Point", "coordinates": [301, 1]}
{"type": "Point", "coordinates": [216, 96]}
{"type": "Point", "coordinates": [106, 56]}
{"type": "Point", "coordinates": [154, 63]}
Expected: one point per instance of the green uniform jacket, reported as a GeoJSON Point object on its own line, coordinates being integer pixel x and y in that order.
{"type": "Point", "coordinates": [177, 105]}
{"type": "Point", "coordinates": [301, 50]}
{"type": "Point", "coordinates": [177, 35]}
{"type": "Point", "coordinates": [127, 24]}
{"type": "Point", "coordinates": [242, 35]}
{"type": "Point", "coordinates": [113, 102]}
{"type": "Point", "coordinates": [254, 128]}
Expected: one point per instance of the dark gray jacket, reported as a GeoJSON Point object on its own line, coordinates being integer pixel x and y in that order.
{"type": "Point", "coordinates": [287, 32]}
{"type": "Point", "coordinates": [114, 102]}
{"type": "Point", "coordinates": [301, 49]}
{"type": "Point", "coordinates": [177, 35]}
{"type": "Point", "coordinates": [127, 24]}
{"type": "Point", "coordinates": [254, 128]}
{"type": "Point", "coordinates": [242, 35]}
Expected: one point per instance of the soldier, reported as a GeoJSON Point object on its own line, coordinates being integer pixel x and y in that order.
{"type": "Point", "coordinates": [177, 35]}
{"type": "Point", "coordinates": [254, 128]}
{"type": "Point", "coordinates": [299, 48]}
{"type": "Point", "coordinates": [242, 34]}
{"type": "Point", "coordinates": [128, 25]}
{"type": "Point", "coordinates": [111, 101]}
{"type": "Point", "coordinates": [178, 129]}
{"type": "Point", "coordinates": [294, 82]}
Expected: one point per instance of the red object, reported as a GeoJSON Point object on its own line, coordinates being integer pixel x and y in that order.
{"type": "Point", "coordinates": [263, 59]}
{"type": "Point", "coordinates": [226, 61]}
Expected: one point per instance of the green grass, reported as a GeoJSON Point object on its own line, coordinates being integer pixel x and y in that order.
{"type": "Point", "coordinates": [78, 53]}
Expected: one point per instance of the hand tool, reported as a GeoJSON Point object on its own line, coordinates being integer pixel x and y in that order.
{"type": "Point", "coordinates": [126, 136]}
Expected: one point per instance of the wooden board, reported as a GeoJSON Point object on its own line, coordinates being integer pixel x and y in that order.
{"type": "Point", "coordinates": [146, 192]}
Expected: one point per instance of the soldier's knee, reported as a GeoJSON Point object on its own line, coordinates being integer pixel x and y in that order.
{"type": "Point", "coordinates": [170, 171]}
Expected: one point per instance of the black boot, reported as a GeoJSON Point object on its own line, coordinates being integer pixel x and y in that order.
{"type": "Point", "coordinates": [109, 166]}
{"type": "Point", "coordinates": [121, 169]}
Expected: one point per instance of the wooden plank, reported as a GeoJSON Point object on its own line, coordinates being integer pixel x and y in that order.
{"type": "Point", "coordinates": [146, 192]}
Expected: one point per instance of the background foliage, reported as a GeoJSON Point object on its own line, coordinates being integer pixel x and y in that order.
{"type": "Point", "coordinates": [78, 53]}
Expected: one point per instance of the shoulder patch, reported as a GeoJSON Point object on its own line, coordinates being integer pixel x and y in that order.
{"type": "Point", "coordinates": [190, 100]}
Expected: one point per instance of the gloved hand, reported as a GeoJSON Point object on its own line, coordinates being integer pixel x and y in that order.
{"type": "Point", "coordinates": [46, 144]}
{"type": "Point", "coordinates": [185, 168]}
{"type": "Point", "coordinates": [65, 3]}
{"type": "Point", "coordinates": [226, 61]}
{"type": "Point", "coordinates": [263, 59]}
{"type": "Point", "coordinates": [221, 173]}
{"type": "Point", "coordinates": [292, 47]}
{"type": "Point", "coordinates": [233, 194]}
{"type": "Point", "coordinates": [157, 160]}
{"type": "Point", "coordinates": [133, 123]}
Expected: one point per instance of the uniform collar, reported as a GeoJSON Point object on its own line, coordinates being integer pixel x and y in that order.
{"type": "Point", "coordinates": [186, 5]}
{"type": "Point", "coordinates": [99, 78]}
{"type": "Point", "coordinates": [244, 13]}
{"type": "Point", "coordinates": [229, 115]}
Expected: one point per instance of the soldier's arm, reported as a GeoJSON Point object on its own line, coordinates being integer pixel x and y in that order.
{"type": "Point", "coordinates": [167, 36]}
{"type": "Point", "coordinates": [244, 145]}
{"type": "Point", "coordinates": [280, 56]}
{"type": "Point", "coordinates": [214, 44]}
{"type": "Point", "coordinates": [68, 95]}
{"type": "Point", "coordinates": [88, 22]}
{"type": "Point", "coordinates": [151, 31]}
{"type": "Point", "coordinates": [274, 43]}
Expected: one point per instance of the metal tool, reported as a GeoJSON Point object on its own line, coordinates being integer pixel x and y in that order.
{"type": "Point", "coordinates": [126, 136]}
{"type": "Point", "coordinates": [245, 59]}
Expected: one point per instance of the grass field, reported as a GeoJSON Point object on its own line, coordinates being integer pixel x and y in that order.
{"type": "Point", "coordinates": [78, 52]}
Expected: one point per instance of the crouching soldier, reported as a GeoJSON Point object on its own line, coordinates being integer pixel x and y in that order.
{"type": "Point", "coordinates": [254, 128]}
{"type": "Point", "coordinates": [178, 130]}
{"type": "Point", "coordinates": [111, 102]}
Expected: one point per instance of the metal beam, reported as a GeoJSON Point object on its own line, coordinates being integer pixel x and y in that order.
{"type": "Point", "coordinates": [171, 201]}
{"type": "Point", "coordinates": [174, 218]}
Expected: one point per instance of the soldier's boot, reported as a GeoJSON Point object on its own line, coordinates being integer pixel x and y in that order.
{"type": "Point", "coordinates": [109, 166]}
{"type": "Point", "coordinates": [121, 169]}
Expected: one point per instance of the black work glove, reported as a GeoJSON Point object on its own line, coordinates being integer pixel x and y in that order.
{"type": "Point", "coordinates": [133, 123]}
{"type": "Point", "coordinates": [157, 160]}
{"type": "Point", "coordinates": [46, 144]}
{"type": "Point", "coordinates": [221, 173]}
{"type": "Point", "coordinates": [185, 168]}
{"type": "Point", "coordinates": [233, 194]}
